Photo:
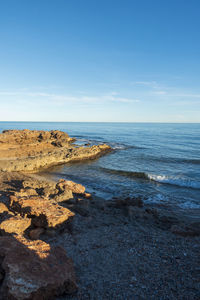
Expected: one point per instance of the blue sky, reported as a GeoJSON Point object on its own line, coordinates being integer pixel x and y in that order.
{"type": "Point", "coordinates": [100, 60]}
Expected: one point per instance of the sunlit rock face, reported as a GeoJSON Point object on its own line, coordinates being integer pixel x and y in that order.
{"type": "Point", "coordinates": [29, 267]}
{"type": "Point", "coordinates": [31, 209]}
{"type": "Point", "coordinates": [32, 150]}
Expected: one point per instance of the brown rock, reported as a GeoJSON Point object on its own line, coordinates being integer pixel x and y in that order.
{"type": "Point", "coordinates": [38, 184]}
{"type": "Point", "coordinates": [26, 192]}
{"type": "Point", "coordinates": [34, 270]}
{"type": "Point", "coordinates": [15, 224]}
{"type": "Point", "coordinates": [87, 195]}
{"type": "Point", "coordinates": [50, 191]}
{"type": "Point", "coordinates": [32, 150]}
{"type": "Point", "coordinates": [43, 211]}
{"type": "Point", "coordinates": [63, 196]}
{"type": "Point", "coordinates": [76, 188]}
{"type": "Point", "coordinates": [3, 208]}
{"type": "Point", "coordinates": [26, 136]}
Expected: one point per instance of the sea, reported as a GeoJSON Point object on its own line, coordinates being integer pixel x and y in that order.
{"type": "Point", "coordinates": [159, 162]}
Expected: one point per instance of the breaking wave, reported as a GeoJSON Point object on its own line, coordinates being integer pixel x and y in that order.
{"type": "Point", "coordinates": [182, 182]}
{"type": "Point", "coordinates": [117, 146]}
{"type": "Point", "coordinates": [177, 181]}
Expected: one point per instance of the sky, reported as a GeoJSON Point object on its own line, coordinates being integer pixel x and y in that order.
{"type": "Point", "coordinates": [100, 60]}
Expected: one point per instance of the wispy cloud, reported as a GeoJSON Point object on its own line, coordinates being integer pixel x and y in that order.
{"type": "Point", "coordinates": [160, 92]}
{"type": "Point", "coordinates": [65, 98]}
{"type": "Point", "coordinates": [185, 103]}
{"type": "Point", "coordinates": [168, 92]}
{"type": "Point", "coordinates": [153, 86]}
{"type": "Point", "coordinates": [186, 95]}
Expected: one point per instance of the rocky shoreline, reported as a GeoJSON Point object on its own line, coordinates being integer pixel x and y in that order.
{"type": "Point", "coordinates": [33, 151]}
{"type": "Point", "coordinates": [56, 239]}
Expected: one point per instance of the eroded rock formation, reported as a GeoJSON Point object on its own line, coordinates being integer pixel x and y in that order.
{"type": "Point", "coordinates": [31, 150]}
{"type": "Point", "coordinates": [29, 267]}
{"type": "Point", "coordinates": [32, 209]}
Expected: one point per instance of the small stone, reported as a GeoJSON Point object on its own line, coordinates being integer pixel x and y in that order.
{"type": "Point", "coordinates": [87, 195]}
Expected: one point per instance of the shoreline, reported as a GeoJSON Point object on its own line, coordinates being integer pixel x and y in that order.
{"type": "Point", "coordinates": [110, 249]}
{"type": "Point", "coordinates": [102, 230]}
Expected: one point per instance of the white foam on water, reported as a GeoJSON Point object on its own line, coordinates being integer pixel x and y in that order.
{"type": "Point", "coordinates": [119, 147]}
{"type": "Point", "coordinates": [175, 181]}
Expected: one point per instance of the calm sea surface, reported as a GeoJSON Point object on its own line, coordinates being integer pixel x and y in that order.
{"type": "Point", "coordinates": [160, 162]}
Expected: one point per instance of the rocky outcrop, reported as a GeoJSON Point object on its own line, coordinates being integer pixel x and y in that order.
{"type": "Point", "coordinates": [34, 270]}
{"type": "Point", "coordinates": [30, 151]}
{"type": "Point", "coordinates": [44, 212]}
{"type": "Point", "coordinates": [30, 137]}
{"type": "Point", "coordinates": [66, 185]}
{"type": "Point", "coordinates": [29, 267]}
{"type": "Point", "coordinates": [32, 209]}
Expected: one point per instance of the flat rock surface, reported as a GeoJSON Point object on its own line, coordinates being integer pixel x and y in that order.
{"type": "Point", "coordinates": [22, 143]}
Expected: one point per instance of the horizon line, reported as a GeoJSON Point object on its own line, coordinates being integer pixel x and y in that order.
{"type": "Point", "coordinates": [129, 122]}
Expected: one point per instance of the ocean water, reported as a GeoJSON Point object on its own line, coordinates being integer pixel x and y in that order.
{"type": "Point", "coordinates": [160, 162]}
